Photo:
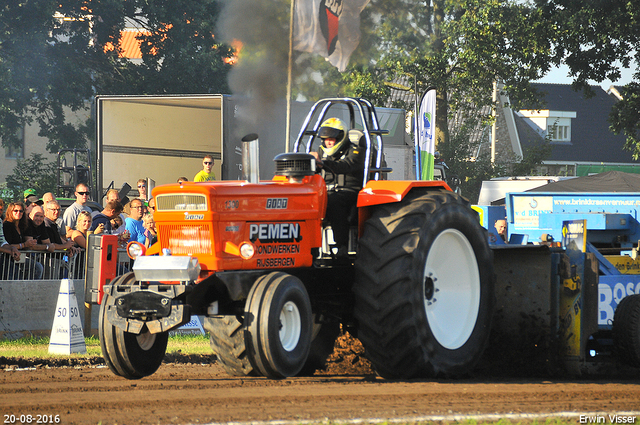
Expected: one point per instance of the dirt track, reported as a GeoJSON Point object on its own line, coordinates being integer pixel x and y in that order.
{"type": "Point", "coordinates": [196, 390]}
{"type": "Point", "coordinates": [189, 393]}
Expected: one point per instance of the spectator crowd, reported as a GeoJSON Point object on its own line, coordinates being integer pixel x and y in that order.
{"type": "Point", "coordinates": [37, 241]}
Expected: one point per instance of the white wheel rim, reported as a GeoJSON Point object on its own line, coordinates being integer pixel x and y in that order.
{"type": "Point", "coordinates": [290, 326]}
{"type": "Point", "coordinates": [451, 288]}
{"type": "Point", "coordinates": [146, 340]}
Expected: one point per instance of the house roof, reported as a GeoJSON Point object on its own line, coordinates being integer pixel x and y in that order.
{"type": "Point", "coordinates": [129, 45]}
{"type": "Point", "coordinates": [591, 138]}
{"type": "Point", "coordinates": [611, 181]}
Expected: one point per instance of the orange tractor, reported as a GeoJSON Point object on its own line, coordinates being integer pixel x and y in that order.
{"type": "Point", "coordinates": [256, 259]}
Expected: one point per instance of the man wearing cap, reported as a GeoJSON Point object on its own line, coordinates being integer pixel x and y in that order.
{"type": "Point", "coordinates": [71, 213]}
{"type": "Point", "coordinates": [31, 199]}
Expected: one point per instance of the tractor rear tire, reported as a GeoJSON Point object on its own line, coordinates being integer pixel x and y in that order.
{"type": "Point", "coordinates": [424, 287]}
{"type": "Point", "coordinates": [626, 330]}
{"type": "Point", "coordinates": [227, 342]}
{"type": "Point", "coordinates": [278, 322]}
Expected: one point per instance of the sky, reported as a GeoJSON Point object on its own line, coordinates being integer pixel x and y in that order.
{"type": "Point", "coordinates": [560, 76]}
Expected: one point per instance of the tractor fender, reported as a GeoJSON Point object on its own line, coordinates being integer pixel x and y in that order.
{"type": "Point", "coordinates": [379, 192]}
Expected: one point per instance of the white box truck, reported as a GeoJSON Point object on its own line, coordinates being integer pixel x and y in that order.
{"type": "Point", "coordinates": [162, 138]}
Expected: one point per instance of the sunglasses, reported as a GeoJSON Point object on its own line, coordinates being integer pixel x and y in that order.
{"type": "Point", "coordinates": [141, 186]}
{"type": "Point", "coordinates": [18, 211]}
{"type": "Point", "coordinates": [208, 162]}
{"type": "Point", "coordinates": [84, 193]}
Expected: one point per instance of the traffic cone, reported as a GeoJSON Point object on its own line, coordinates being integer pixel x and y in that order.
{"type": "Point", "coordinates": [66, 335]}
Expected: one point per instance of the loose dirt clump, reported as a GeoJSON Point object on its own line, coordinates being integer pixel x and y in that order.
{"type": "Point", "coordinates": [347, 358]}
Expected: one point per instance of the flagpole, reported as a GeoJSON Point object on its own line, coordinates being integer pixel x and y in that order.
{"type": "Point", "coordinates": [415, 129]}
{"type": "Point", "coordinates": [289, 79]}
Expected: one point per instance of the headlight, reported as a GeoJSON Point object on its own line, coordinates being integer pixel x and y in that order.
{"type": "Point", "coordinates": [135, 249]}
{"type": "Point", "coordinates": [247, 250]}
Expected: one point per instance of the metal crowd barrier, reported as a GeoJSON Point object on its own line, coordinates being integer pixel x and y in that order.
{"type": "Point", "coordinates": [44, 265]}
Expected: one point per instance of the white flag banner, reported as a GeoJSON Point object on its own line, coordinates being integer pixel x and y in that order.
{"type": "Point", "coordinates": [330, 28]}
{"type": "Point", "coordinates": [426, 134]}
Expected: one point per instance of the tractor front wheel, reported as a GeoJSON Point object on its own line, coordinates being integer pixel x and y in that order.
{"type": "Point", "coordinates": [278, 323]}
{"type": "Point", "coordinates": [107, 333]}
{"type": "Point", "coordinates": [142, 353]}
{"type": "Point", "coordinates": [126, 354]}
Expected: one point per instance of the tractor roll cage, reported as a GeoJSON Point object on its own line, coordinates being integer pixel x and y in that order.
{"type": "Point", "coordinates": [367, 113]}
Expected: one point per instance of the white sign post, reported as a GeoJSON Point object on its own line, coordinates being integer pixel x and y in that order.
{"type": "Point", "coordinates": [67, 335]}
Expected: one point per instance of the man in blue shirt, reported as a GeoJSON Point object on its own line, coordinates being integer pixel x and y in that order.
{"type": "Point", "coordinates": [133, 223]}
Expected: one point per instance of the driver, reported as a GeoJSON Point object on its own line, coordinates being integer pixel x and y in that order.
{"type": "Point", "coordinates": [342, 166]}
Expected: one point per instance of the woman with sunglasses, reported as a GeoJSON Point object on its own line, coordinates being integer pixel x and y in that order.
{"type": "Point", "coordinates": [15, 225]}
{"type": "Point", "coordinates": [14, 228]}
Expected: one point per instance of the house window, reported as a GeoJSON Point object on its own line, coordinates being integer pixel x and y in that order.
{"type": "Point", "coordinates": [16, 152]}
{"type": "Point", "coordinates": [559, 133]}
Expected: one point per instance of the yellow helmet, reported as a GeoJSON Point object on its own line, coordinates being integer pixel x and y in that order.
{"type": "Point", "coordinates": [333, 128]}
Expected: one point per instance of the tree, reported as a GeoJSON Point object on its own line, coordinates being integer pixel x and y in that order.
{"type": "Point", "coordinates": [34, 172]}
{"type": "Point", "coordinates": [596, 40]}
{"type": "Point", "coordinates": [624, 117]}
{"type": "Point", "coordinates": [180, 52]}
{"type": "Point", "coordinates": [459, 46]}
{"type": "Point", "coordinates": [56, 55]}
{"type": "Point", "coordinates": [41, 71]}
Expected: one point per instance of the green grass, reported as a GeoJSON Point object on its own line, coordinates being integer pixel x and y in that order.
{"type": "Point", "coordinates": [38, 347]}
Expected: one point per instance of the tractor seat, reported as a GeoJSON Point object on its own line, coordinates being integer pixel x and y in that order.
{"type": "Point", "coordinates": [357, 138]}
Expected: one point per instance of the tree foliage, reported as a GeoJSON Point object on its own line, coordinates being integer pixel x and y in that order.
{"type": "Point", "coordinates": [55, 55]}
{"type": "Point", "coordinates": [34, 172]}
{"type": "Point", "coordinates": [625, 117]}
{"type": "Point", "coordinates": [460, 47]}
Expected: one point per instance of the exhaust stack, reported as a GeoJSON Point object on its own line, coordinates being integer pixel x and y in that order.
{"type": "Point", "coordinates": [250, 158]}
